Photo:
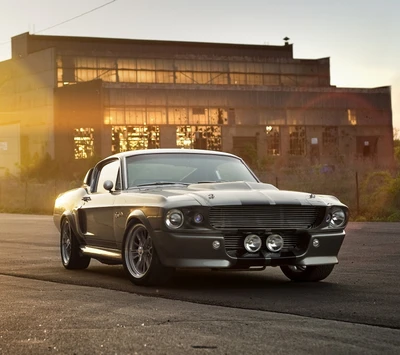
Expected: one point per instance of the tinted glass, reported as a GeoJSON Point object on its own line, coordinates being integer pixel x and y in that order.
{"type": "Point", "coordinates": [185, 168]}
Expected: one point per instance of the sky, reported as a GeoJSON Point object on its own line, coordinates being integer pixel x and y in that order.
{"type": "Point", "coordinates": [361, 37]}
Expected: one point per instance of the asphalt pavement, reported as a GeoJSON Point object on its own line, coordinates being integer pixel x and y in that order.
{"type": "Point", "coordinates": [47, 309]}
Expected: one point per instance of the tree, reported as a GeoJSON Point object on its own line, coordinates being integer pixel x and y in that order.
{"type": "Point", "coordinates": [396, 144]}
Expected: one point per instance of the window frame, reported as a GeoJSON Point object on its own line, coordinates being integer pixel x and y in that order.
{"type": "Point", "coordinates": [97, 173]}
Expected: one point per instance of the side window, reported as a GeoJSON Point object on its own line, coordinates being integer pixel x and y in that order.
{"type": "Point", "coordinates": [109, 171]}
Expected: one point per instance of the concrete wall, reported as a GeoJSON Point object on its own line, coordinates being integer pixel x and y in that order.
{"type": "Point", "coordinates": [26, 97]}
{"type": "Point", "coordinates": [79, 106]}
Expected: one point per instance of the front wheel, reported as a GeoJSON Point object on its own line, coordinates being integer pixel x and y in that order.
{"type": "Point", "coordinates": [307, 273]}
{"type": "Point", "coordinates": [71, 255]}
{"type": "Point", "coordinates": [140, 258]}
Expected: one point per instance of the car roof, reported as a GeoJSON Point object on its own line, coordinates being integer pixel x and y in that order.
{"type": "Point", "coordinates": [170, 150]}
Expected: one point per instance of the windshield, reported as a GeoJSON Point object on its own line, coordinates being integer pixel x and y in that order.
{"type": "Point", "coordinates": [185, 168]}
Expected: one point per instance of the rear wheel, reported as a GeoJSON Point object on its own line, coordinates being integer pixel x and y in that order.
{"type": "Point", "coordinates": [71, 255]}
{"type": "Point", "coordinates": [307, 273]}
{"type": "Point", "coordinates": [140, 258]}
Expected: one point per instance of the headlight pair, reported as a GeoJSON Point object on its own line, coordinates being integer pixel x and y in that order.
{"type": "Point", "coordinates": [175, 218]}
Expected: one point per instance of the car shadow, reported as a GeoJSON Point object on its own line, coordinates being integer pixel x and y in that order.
{"type": "Point", "coordinates": [208, 280]}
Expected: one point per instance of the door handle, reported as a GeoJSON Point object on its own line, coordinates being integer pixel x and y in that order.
{"type": "Point", "coordinates": [86, 198]}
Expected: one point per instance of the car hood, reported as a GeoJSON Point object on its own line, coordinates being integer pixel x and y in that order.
{"type": "Point", "coordinates": [241, 193]}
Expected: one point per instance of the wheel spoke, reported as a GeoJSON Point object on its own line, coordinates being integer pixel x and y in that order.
{"type": "Point", "coordinates": [134, 254]}
{"type": "Point", "coordinates": [147, 263]}
{"type": "Point", "coordinates": [142, 238]}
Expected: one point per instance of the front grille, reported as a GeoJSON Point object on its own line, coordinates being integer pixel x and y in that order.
{"type": "Point", "coordinates": [236, 242]}
{"type": "Point", "coordinates": [266, 217]}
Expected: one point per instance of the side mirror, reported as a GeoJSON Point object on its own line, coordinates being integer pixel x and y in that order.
{"type": "Point", "coordinates": [108, 185]}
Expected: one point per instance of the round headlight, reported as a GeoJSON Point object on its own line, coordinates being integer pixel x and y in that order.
{"type": "Point", "coordinates": [174, 219]}
{"type": "Point", "coordinates": [338, 218]}
{"type": "Point", "coordinates": [252, 243]}
{"type": "Point", "coordinates": [274, 242]}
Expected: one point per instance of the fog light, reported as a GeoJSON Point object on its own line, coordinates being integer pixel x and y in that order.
{"type": "Point", "coordinates": [274, 242]}
{"type": "Point", "coordinates": [198, 218]}
{"type": "Point", "coordinates": [216, 244]}
{"type": "Point", "coordinates": [315, 243]}
{"type": "Point", "coordinates": [252, 243]}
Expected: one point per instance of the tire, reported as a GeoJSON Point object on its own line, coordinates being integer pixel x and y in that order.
{"type": "Point", "coordinates": [307, 273]}
{"type": "Point", "coordinates": [71, 255]}
{"type": "Point", "coordinates": [140, 258]}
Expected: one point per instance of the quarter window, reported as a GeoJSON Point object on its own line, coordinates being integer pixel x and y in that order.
{"type": "Point", "coordinates": [109, 171]}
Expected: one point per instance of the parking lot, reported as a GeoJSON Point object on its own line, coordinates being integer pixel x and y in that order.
{"type": "Point", "coordinates": [47, 308]}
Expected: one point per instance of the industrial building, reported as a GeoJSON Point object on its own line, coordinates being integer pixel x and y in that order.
{"type": "Point", "coordinates": [76, 97]}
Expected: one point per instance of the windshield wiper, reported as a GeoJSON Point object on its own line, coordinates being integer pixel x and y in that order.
{"type": "Point", "coordinates": [209, 182]}
{"type": "Point", "coordinates": [156, 183]}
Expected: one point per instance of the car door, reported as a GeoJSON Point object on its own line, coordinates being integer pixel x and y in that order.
{"type": "Point", "coordinates": [97, 211]}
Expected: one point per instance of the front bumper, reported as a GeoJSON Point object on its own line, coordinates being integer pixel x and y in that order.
{"type": "Point", "coordinates": [184, 250]}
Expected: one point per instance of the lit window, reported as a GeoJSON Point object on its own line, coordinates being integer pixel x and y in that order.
{"type": "Point", "coordinates": [199, 115]}
{"type": "Point", "coordinates": [83, 143]}
{"type": "Point", "coordinates": [146, 76]}
{"type": "Point", "coordinates": [199, 137]}
{"type": "Point", "coordinates": [352, 117]}
{"type": "Point", "coordinates": [126, 138]}
{"type": "Point", "coordinates": [218, 116]}
{"type": "Point", "coordinates": [273, 140]}
{"type": "Point", "coordinates": [219, 79]}
{"type": "Point", "coordinates": [177, 115]}
{"type": "Point", "coordinates": [238, 79]}
{"type": "Point", "coordinates": [184, 77]}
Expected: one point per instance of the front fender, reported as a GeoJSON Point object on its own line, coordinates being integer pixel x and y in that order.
{"type": "Point", "coordinates": [139, 215]}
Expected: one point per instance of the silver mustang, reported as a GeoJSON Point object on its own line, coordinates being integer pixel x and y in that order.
{"type": "Point", "coordinates": [157, 210]}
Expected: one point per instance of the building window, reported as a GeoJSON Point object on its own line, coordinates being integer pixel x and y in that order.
{"type": "Point", "coordinates": [273, 140]}
{"type": "Point", "coordinates": [199, 115]}
{"type": "Point", "coordinates": [83, 143]}
{"type": "Point", "coordinates": [126, 138]}
{"type": "Point", "coordinates": [352, 117]}
{"type": "Point", "coordinates": [177, 115]}
{"type": "Point", "coordinates": [199, 137]}
{"type": "Point", "coordinates": [297, 140]}
{"type": "Point", "coordinates": [71, 69]}
{"type": "Point", "coordinates": [330, 140]}
{"type": "Point", "coordinates": [218, 116]}
{"type": "Point", "coordinates": [135, 116]}
{"type": "Point", "coordinates": [366, 147]}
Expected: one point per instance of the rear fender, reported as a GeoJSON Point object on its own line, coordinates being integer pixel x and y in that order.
{"type": "Point", "coordinates": [73, 223]}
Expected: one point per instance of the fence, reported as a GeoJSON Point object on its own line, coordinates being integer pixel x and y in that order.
{"type": "Point", "coordinates": [369, 197]}
{"type": "Point", "coordinates": [373, 195]}
{"type": "Point", "coordinates": [28, 197]}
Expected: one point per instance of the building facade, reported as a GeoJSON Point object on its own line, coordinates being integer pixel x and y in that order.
{"type": "Point", "coordinates": [74, 98]}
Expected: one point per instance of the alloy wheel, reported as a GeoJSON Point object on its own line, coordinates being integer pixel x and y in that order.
{"type": "Point", "coordinates": [139, 252]}
{"type": "Point", "coordinates": [66, 243]}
